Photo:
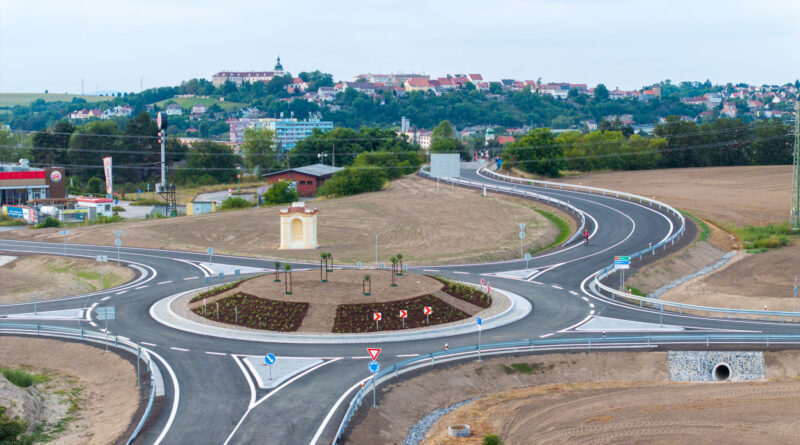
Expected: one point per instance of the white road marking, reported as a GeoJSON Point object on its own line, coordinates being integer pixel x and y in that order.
{"type": "Point", "coordinates": [149, 344]}
{"type": "Point", "coordinates": [361, 358]}
{"type": "Point", "coordinates": [215, 353]}
{"type": "Point", "coordinates": [142, 287]}
{"type": "Point", "coordinates": [104, 298]}
{"type": "Point", "coordinates": [535, 282]}
{"type": "Point", "coordinates": [165, 282]}
{"type": "Point", "coordinates": [121, 292]}
{"type": "Point", "coordinates": [93, 323]}
{"type": "Point", "coordinates": [178, 349]}
{"type": "Point", "coordinates": [591, 305]}
{"type": "Point", "coordinates": [556, 287]}
{"type": "Point", "coordinates": [333, 410]}
{"type": "Point", "coordinates": [591, 312]}
{"type": "Point", "coordinates": [190, 278]}
{"type": "Point", "coordinates": [546, 335]}
{"type": "Point", "coordinates": [430, 270]}
{"type": "Point", "coordinates": [460, 273]}
{"type": "Point", "coordinates": [573, 292]}
{"type": "Point", "coordinates": [585, 299]}
{"type": "Point", "coordinates": [175, 400]}
{"type": "Point", "coordinates": [407, 355]}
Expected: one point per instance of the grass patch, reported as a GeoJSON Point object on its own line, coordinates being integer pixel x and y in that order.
{"type": "Point", "coordinates": [771, 236]}
{"type": "Point", "coordinates": [147, 202]}
{"type": "Point", "coordinates": [563, 229]}
{"type": "Point", "coordinates": [6, 220]}
{"type": "Point", "coordinates": [636, 292]}
{"type": "Point", "coordinates": [88, 274]}
{"type": "Point", "coordinates": [25, 99]}
{"type": "Point", "coordinates": [23, 379]}
{"type": "Point", "coordinates": [526, 368]}
{"type": "Point", "coordinates": [704, 230]}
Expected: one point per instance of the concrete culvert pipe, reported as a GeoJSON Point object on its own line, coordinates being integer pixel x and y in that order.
{"type": "Point", "coordinates": [721, 372]}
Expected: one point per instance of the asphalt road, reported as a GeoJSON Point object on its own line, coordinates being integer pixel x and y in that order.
{"type": "Point", "coordinates": [214, 402]}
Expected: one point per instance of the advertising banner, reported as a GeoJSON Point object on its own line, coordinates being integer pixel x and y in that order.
{"type": "Point", "coordinates": [24, 213]}
{"type": "Point", "coordinates": [74, 215]}
{"type": "Point", "coordinates": [107, 170]}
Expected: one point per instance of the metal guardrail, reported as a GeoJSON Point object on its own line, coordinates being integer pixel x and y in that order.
{"type": "Point", "coordinates": [88, 336]}
{"type": "Point", "coordinates": [555, 345]}
{"type": "Point", "coordinates": [581, 216]}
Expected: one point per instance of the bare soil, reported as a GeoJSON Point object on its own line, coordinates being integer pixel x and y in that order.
{"type": "Point", "coordinates": [412, 217]}
{"type": "Point", "coordinates": [617, 397]}
{"type": "Point", "coordinates": [108, 394]}
{"type": "Point", "coordinates": [728, 195]}
{"type": "Point", "coordinates": [55, 277]}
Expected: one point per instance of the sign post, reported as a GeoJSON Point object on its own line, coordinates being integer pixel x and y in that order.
{"type": "Point", "coordinates": [376, 317]}
{"type": "Point", "coordinates": [403, 315]}
{"type": "Point", "coordinates": [118, 243]}
{"type": "Point", "coordinates": [102, 259]}
{"type": "Point", "coordinates": [106, 313]}
{"type": "Point", "coordinates": [374, 367]}
{"type": "Point", "coordinates": [65, 233]}
{"type": "Point", "coordinates": [622, 263]}
{"type": "Point", "coordinates": [270, 359]}
{"type": "Point", "coordinates": [479, 320]}
{"type": "Point", "coordinates": [427, 311]}
{"type": "Point", "coordinates": [210, 251]}
{"type": "Point", "coordinates": [527, 259]}
{"type": "Point", "coordinates": [795, 293]}
{"type": "Point", "coordinates": [522, 235]}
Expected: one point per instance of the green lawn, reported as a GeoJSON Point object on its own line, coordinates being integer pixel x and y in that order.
{"type": "Point", "coordinates": [24, 99]}
{"type": "Point", "coordinates": [188, 102]}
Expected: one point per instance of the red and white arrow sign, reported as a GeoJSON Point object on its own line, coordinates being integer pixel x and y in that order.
{"type": "Point", "coordinates": [481, 281]}
{"type": "Point", "coordinates": [403, 313]}
{"type": "Point", "coordinates": [376, 316]}
{"type": "Point", "coordinates": [427, 310]}
{"type": "Point", "coordinates": [373, 352]}
{"type": "Point", "coordinates": [488, 287]}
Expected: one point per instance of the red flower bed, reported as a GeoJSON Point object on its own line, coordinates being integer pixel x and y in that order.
{"type": "Point", "coordinates": [256, 313]}
{"type": "Point", "coordinates": [358, 317]}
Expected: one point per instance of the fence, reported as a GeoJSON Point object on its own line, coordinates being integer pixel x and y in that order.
{"type": "Point", "coordinates": [579, 215]}
{"type": "Point", "coordinates": [556, 345]}
{"type": "Point", "coordinates": [95, 337]}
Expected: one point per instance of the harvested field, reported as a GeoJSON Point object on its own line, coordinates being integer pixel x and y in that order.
{"type": "Point", "coordinates": [55, 277]}
{"type": "Point", "coordinates": [616, 397]}
{"type": "Point", "coordinates": [411, 216]}
{"type": "Point", "coordinates": [755, 195]}
{"type": "Point", "coordinates": [108, 397]}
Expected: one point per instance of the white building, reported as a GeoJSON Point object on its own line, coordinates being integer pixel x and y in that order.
{"type": "Point", "coordinates": [174, 110]}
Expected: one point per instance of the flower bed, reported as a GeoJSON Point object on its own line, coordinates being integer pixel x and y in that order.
{"type": "Point", "coordinates": [358, 317]}
{"type": "Point", "coordinates": [255, 312]}
{"type": "Point", "coordinates": [466, 293]}
{"type": "Point", "coordinates": [216, 290]}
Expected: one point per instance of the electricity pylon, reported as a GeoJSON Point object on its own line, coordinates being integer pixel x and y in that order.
{"type": "Point", "coordinates": [795, 219]}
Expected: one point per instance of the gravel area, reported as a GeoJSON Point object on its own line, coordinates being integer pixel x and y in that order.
{"type": "Point", "coordinates": [419, 430]}
{"type": "Point", "coordinates": [722, 261]}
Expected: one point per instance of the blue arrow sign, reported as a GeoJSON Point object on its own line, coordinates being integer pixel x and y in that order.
{"type": "Point", "coordinates": [374, 367]}
{"type": "Point", "coordinates": [270, 358]}
{"type": "Point", "coordinates": [479, 320]}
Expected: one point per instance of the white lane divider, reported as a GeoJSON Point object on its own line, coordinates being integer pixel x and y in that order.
{"type": "Point", "coordinates": [460, 273]}
{"type": "Point", "coordinates": [190, 278]}
{"type": "Point", "coordinates": [142, 287]}
{"type": "Point", "coordinates": [546, 335]}
{"type": "Point", "coordinates": [556, 287]}
{"type": "Point", "coordinates": [165, 282]}
{"type": "Point", "coordinates": [585, 299]}
{"type": "Point", "coordinates": [93, 324]}
{"type": "Point", "coordinates": [573, 292]}
{"type": "Point", "coordinates": [121, 292]}
{"type": "Point", "coordinates": [178, 349]}
{"type": "Point", "coordinates": [591, 305]}
{"type": "Point", "coordinates": [407, 355]}
{"type": "Point", "coordinates": [215, 353]}
{"type": "Point", "coordinates": [361, 358]}
{"type": "Point", "coordinates": [430, 270]}
{"type": "Point", "coordinates": [149, 344]}
{"type": "Point", "coordinates": [104, 298]}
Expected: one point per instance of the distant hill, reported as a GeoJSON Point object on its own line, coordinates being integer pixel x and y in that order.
{"type": "Point", "coordinates": [25, 99]}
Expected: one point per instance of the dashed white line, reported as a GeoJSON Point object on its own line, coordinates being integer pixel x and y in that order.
{"type": "Point", "coordinates": [93, 323]}
{"type": "Point", "coordinates": [556, 287]}
{"type": "Point", "coordinates": [149, 344]}
{"type": "Point", "coordinates": [407, 355]}
{"type": "Point", "coordinates": [104, 298]}
{"type": "Point", "coordinates": [190, 278]}
{"type": "Point", "coordinates": [591, 305]}
{"type": "Point", "coordinates": [178, 349]}
{"type": "Point", "coordinates": [142, 287]}
{"type": "Point", "coordinates": [545, 335]}
{"type": "Point", "coordinates": [573, 292]}
{"type": "Point", "coordinates": [585, 299]}
{"type": "Point", "coordinates": [431, 270]}
{"type": "Point", "coordinates": [215, 353]}
{"type": "Point", "coordinates": [361, 358]}
{"type": "Point", "coordinates": [460, 273]}
{"type": "Point", "coordinates": [591, 312]}
{"type": "Point", "coordinates": [121, 292]}
{"type": "Point", "coordinates": [535, 282]}
{"type": "Point", "coordinates": [165, 282]}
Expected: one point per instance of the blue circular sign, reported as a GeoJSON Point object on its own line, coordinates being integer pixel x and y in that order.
{"type": "Point", "coordinates": [374, 367]}
{"type": "Point", "coordinates": [270, 358]}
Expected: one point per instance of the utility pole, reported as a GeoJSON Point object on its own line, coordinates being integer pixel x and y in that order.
{"type": "Point", "coordinates": [795, 218]}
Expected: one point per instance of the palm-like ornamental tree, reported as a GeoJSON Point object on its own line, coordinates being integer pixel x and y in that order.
{"type": "Point", "coordinates": [277, 272]}
{"type": "Point", "coordinates": [287, 276]}
{"type": "Point", "coordinates": [367, 279]}
{"type": "Point", "coordinates": [394, 269]}
{"type": "Point", "coordinates": [400, 265]}
{"type": "Point", "coordinates": [323, 257]}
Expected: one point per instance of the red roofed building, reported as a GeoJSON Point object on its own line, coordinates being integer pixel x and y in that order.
{"type": "Point", "coordinates": [502, 140]}
{"type": "Point", "coordinates": [475, 78]}
{"type": "Point", "coordinates": [417, 84]}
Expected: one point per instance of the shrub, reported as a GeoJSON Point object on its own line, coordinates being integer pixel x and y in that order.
{"type": "Point", "coordinates": [12, 429]}
{"type": "Point", "coordinates": [118, 209]}
{"type": "Point", "coordinates": [491, 439]}
{"type": "Point", "coordinates": [48, 222]}
{"type": "Point", "coordinates": [352, 181]}
{"type": "Point", "coordinates": [22, 378]}
{"type": "Point", "coordinates": [95, 186]}
{"type": "Point", "coordinates": [235, 203]}
{"type": "Point", "coordinates": [281, 193]}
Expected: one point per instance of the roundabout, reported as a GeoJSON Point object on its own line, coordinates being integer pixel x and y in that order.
{"type": "Point", "coordinates": [204, 365]}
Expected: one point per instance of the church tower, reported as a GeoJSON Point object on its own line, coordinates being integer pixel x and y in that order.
{"type": "Point", "coordinates": [278, 68]}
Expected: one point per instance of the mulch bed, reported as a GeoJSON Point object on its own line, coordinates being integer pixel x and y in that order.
{"type": "Point", "coordinates": [255, 312]}
{"type": "Point", "coordinates": [352, 318]}
{"type": "Point", "coordinates": [466, 293]}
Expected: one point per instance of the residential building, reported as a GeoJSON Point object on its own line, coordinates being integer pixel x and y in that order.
{"type": "Point", "coordinates": [728, 109]}
{"type": "Point", "coordinates": [85, 114]}
{"type": "Point", "coordinates": [475, 78]}
{"type": "Point", "coordinates": [503, 140]}
{"type": "Point", "coordinates": [288, 132]}
{"type": "Point", "coordinates": [199, 109]}
{"type": "Point", "coordinates": [417, 84]}
{"type": "Point", "coordinates": [174, 110]}
{"type": "Point", "coordinates": [326, 94]}
{"type": "Point", "coordinates": [618, 94]}
{"type": "Point", "coordinates": [306, 179]}
{"type": "Point", "coordinates": [423, 138]}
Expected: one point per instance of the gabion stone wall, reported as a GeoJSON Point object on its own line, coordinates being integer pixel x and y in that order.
{"type": "Point", "coordinates": [698, 366]}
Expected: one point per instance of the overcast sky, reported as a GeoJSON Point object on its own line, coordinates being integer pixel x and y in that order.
{"type": "Point", "coordinates": [625, 43]}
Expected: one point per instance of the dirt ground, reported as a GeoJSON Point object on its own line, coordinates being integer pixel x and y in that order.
{"type": "Point", "coordinates": [411, 216]}
{"type": "Point", "coordinates": [617, 397]}
{"type": "Point", "coordinates": [54, 277]}
{"type": "Point", "coordinates": [109, 397]}
{"type": "Point", "coordinates": [343, 287]}
{"type": "Point", "coordinates": [728, 195]}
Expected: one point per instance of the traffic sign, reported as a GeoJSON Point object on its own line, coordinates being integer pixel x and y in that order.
{"type": "Point", "coordinates": [116, 201]}
{"type": "Point", "coordinates": [210, 251]}
{"type": "Point", "coordinates": [118, 233]}
{"type": "Point", "coordinates": [622, 258]}
{"type": "Point", "coordinates": [117, 242]}
{"type": "Point", "coordinates": [403, 313]}
{"type": "Point", "coordinates": [374, 352]}
{"type": "Point", "coordinates": [521, 226]}
{"type": "Point", "coordinates": [230, 191]}
{"type": "Point", "coordinates": [270, 358]}
{"type": "Point", "coordinates": [221, 275]}
{"type": "Point", "coordinates": [374, 367]}
{"type": "Point", "coordinates": [102, 258]}
{"type": "Point", "coordinates": [106, 313]}
{"type": "Point", "coordinates": [522, 235]}
{"type": "Point", "coordinates": [479, 320]}
{"type": "Point", "coordinates": [527, 257]}
{"type": "Point", "coordinates": [427, 310]}
{"type": "Point", "coordinates": [63, 232]}
{"type": "Point", "coordinates": [376, 316]}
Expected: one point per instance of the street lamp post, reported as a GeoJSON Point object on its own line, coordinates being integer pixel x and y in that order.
{"type": "Point", "coordinates": [376, 249]}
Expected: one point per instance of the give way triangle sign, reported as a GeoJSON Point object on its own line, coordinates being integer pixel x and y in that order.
{"type": "Point", "coordinates": [373, 352]}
